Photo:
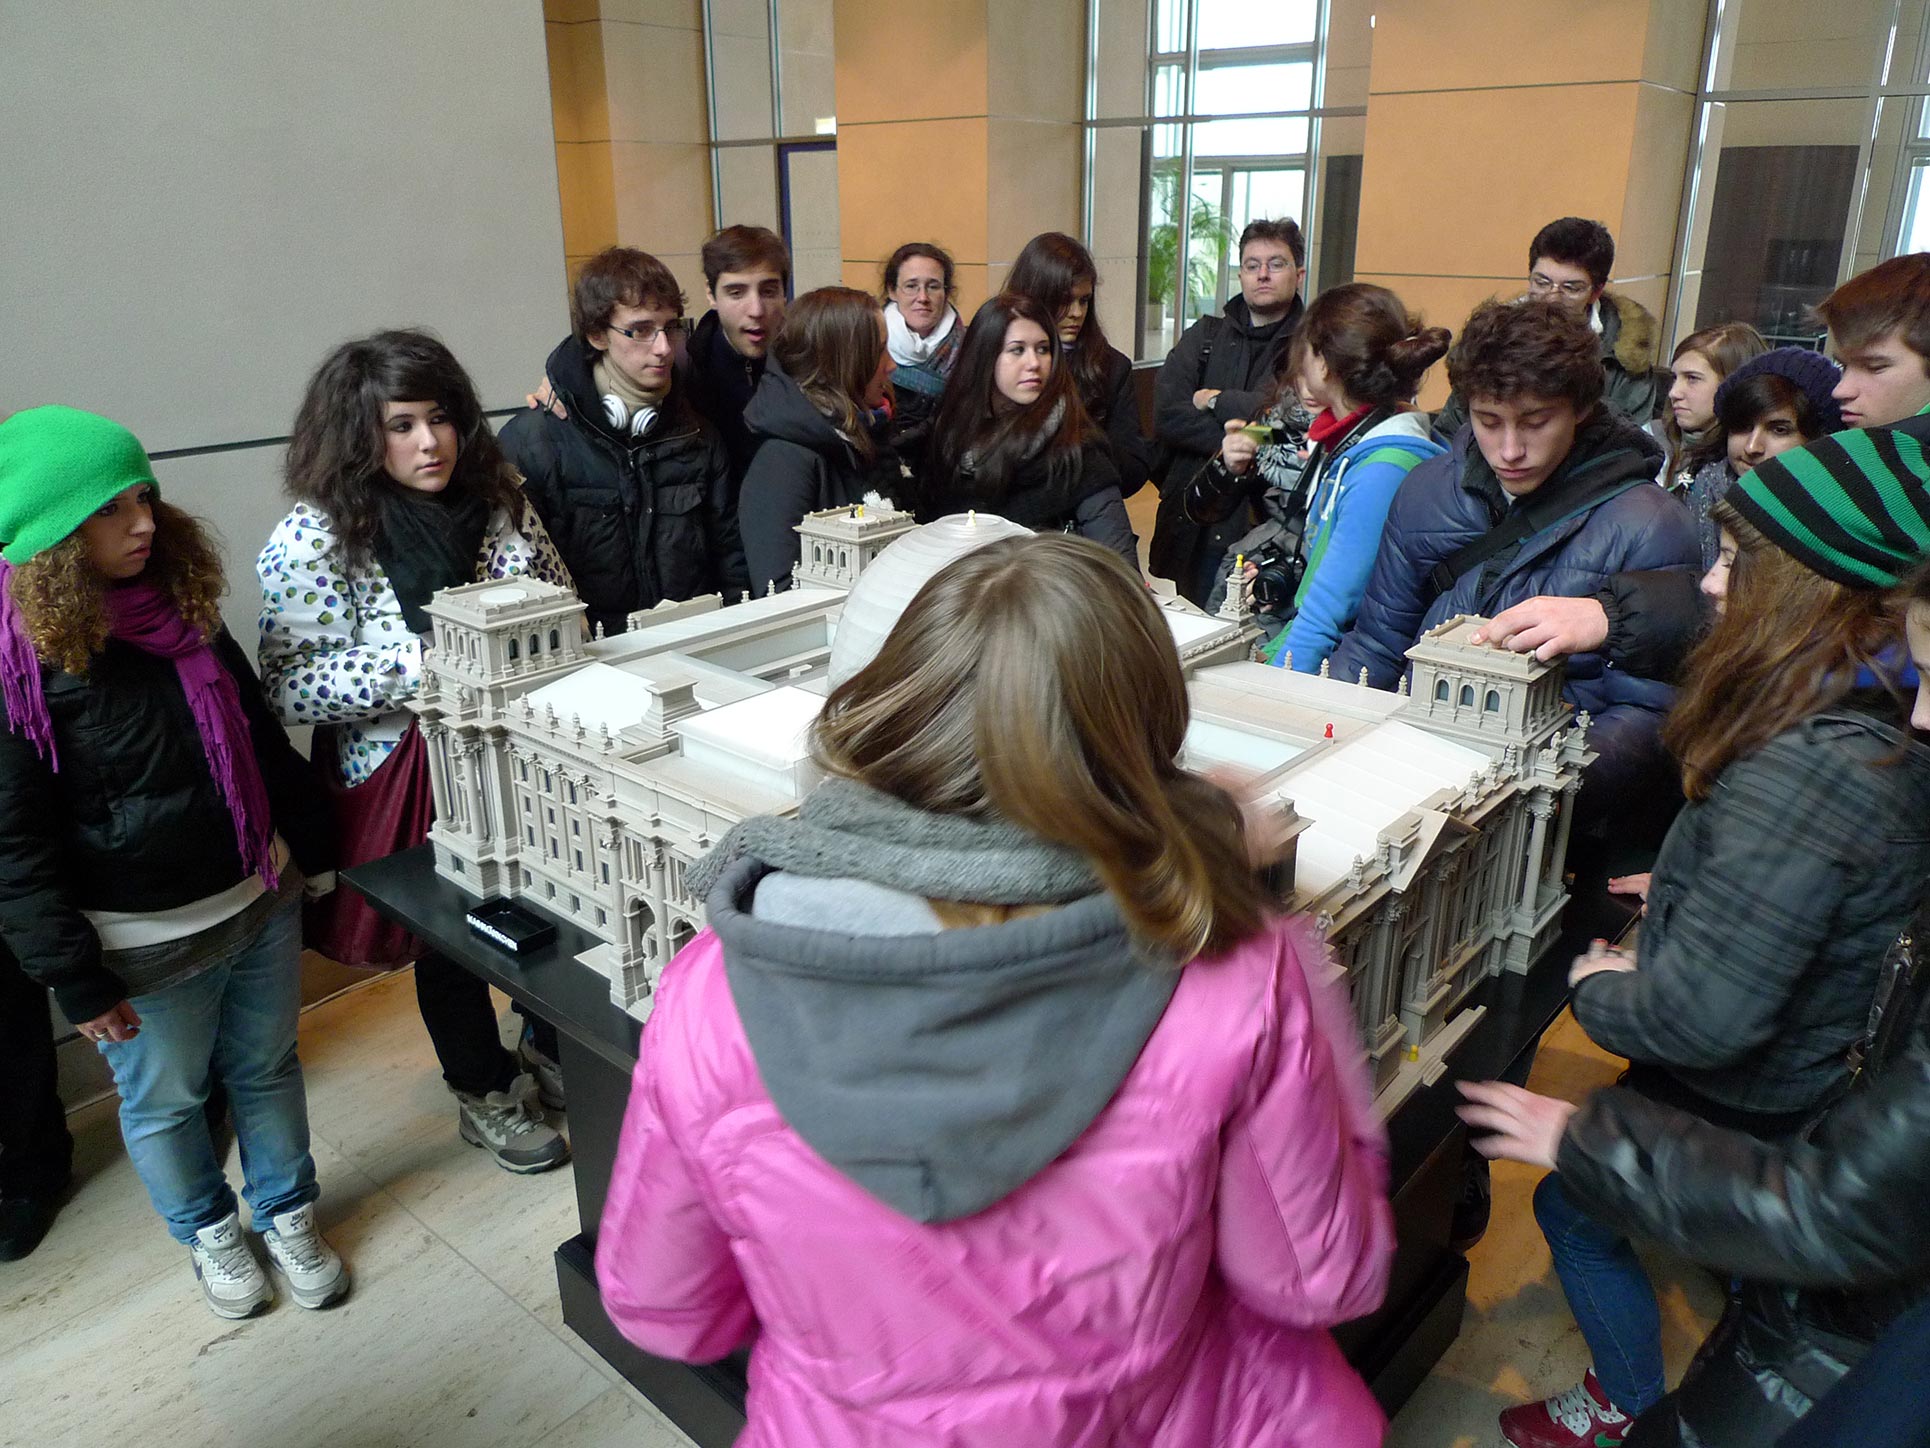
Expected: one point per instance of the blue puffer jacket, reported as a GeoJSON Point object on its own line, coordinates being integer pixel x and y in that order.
{"type": "Point", "coordinates": [1449, 501]}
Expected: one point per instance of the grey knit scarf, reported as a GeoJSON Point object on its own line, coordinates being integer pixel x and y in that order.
{"type": "Point", "coordinates": [847, 829]}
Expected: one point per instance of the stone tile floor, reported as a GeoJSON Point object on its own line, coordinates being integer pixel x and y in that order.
{"type": "Point", "coordinates": [454, 1338]}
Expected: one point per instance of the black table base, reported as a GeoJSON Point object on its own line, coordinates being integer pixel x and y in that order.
{"type": "Point", "coordinates": [1393, 1349]}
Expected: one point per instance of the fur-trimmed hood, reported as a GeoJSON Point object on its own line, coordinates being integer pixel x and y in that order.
{"type": "Point", "coordinates": [1630, 334]}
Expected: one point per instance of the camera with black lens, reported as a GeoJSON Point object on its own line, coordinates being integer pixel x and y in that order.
{"type": "Point", "coordinates": [1279, 569]}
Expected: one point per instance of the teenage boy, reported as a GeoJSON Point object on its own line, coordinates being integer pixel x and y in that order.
{"type": "Point", "coordinates": [1568, 264]}
{"type": "Point", "coordinates": [632, 485]}
{"type": "Point", "coordinates": [1221, 368]}
{"type": "Point", "coordinates": [746, 272]}
{"type": "Point", "coordinates": [1538, 495]}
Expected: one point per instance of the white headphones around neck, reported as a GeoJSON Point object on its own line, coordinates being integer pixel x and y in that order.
{"type": "Point", "coordinates": [635, 423]}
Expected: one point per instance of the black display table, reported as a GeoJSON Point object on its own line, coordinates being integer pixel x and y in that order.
{"type": "Point", "coordinates": [1393, 1349]}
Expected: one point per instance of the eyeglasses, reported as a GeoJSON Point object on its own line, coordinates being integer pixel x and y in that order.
{"type": "Point", "coordinates": [928, 288]}
{"type": "Point", "coordinates": [1543, 286]}
{"type": "Point", "coordinates": [1272, 266]}
{"type": "Point", "coordinates": [648, 332]}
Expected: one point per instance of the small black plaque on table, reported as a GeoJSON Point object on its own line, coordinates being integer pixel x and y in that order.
{"type": "Point", "coordinates": [508, 926]}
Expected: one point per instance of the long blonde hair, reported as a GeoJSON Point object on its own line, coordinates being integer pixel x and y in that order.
{"type": "Point", "coordinates": [1034, 681]}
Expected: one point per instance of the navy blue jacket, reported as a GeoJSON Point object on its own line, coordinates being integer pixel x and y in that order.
{"type": "Point", "coordinates": [1449, 501]}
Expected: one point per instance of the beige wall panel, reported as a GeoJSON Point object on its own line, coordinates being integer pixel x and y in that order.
{"type": "Point", "coordinates": [1347, 85]}
{"type": "Point", "coordinates": [1121, 69]}
{"type": "Point", "coordinates": [875, 80]}
{"type": "Point", "coordinates": [810, 91]}
{"type": "Point", "coordinates": [569, 11]}
{"type": "Point", "coordinates": [1442, 302]}
{"type": "Point", "coordinates": [864, 275]}
{"type": "Point", "coordinates": [676, 14]}
{"type": "Point", "coordinates": [1115, 299]}
{"type": "Point", "coordinates": [1658, 152]}
{"type": "Point", "coordinates": [1344, 136]}
{"type": "Point", "coordinates": [1115, 192]}
{"type": "Point", "coordinates": [748, 18]}
{"type": "Point", "coordinates": [688, 268]}
{"type": "Point", "coordinates": [589, 207]}
{"type": "Point", "coordinates": [577, 108]}
{"type": "Point", "coordinates": [1673, 54]}
{"type": "Point", "coordinates": [975, 285]}
{"type": "Point", "coordinates": [743, 70]}
{"type": "Point", "coordinates": [1424, 207]}
{"type": "Point", "coordinates": [662, 195]}
{"type": "Point", "coordinates": [927, 177]}
{"type": "Point", "coordinates": [812, 268]}
{"type": "Point", "coordinates": [749, 186]}
{"type": "Point", "coordinates": [655, 80]}
{"type": "Point", "coordinates": [1430, 45]}
{"type": "Point", "coordinates": [1035, 169]}
{"type": "Point", "coordinates": [1794, 123]}
{"type": "Point", "coordinates": [1039, 58]}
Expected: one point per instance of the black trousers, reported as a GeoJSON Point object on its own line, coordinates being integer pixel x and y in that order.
{"type": "Point", "coordinates": [461, 1020]}
{"type": "Point", "coordinates": [36, 1153]}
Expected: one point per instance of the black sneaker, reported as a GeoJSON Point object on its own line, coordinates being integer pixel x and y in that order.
{"type": "Point", "coordinates": [1471, 1212]}
{"type": "Point", "coordinates": [24, 1222]}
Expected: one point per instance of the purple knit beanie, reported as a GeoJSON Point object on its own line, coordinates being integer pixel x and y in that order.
{"type": "Point", "coordinates": [1813, 374]}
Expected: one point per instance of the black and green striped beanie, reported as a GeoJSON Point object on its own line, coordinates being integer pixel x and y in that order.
{"type": "Point", "coordinates": [1853, 506]}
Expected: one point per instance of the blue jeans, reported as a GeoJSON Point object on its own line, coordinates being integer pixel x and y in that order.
{"type": "Point", "coordinates": [1609, 1294]}
{"type": "Point", "coordinates": [236, 1021]}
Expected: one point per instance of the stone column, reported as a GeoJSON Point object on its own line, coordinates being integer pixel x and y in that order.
{"type": "Point", "coordinates": [631, 113]}
{"type": "Point", "coordinates": [979, 150]}
{"type": "Point", "coordinates": [1487, 119]}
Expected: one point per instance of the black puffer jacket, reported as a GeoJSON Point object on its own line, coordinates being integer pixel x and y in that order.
{"type": "Point", "coordinates": [1831, 1230]}
{"type": "Point", "coordinates": [637, 520]}
{"type": "Point", "coordinates": [802, 465]}
{"type": "Point", "coordinates": [719, 382]}
{"type": "Point", "coordinates": [1115, 407]}
{"type": "Point", "coordinates": [1086, 501]}
{"type": "Point", "coordinates": [133, 819]}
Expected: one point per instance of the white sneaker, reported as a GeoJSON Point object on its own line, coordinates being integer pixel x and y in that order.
{"type": "Point", "coordinates": [314, 1273]}
{"type": "Point", "coordinates": [230, 1277]}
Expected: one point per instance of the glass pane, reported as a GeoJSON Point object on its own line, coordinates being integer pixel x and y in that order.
{"type": "Point", "coordinates": [1886, 189]}
{"type": "Point", "coordinates": [1777, 186]}
{"type": "Point", "coordinates": [1232, 24]}
{"type": "Point", "coordinates": [1776, 44]}
{"type": "Point", "coordinates": [1169, 26]}
{"type": "Point", "coordinates": [1207, 247]}
{"type": "Point", "coordinates": [1250, 138]}
{"type": "Point", "coordinates": [1169, 90]}
{"type": "Point", "coordinates": [1230, 90]}
{"type": "Point", "coordinates": [805, 82]}
{"type": "Point", "coordinates": [1916, 214]}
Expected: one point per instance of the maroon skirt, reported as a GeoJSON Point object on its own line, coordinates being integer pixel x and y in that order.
{"type": "Point", "coordinates": [387, 812]}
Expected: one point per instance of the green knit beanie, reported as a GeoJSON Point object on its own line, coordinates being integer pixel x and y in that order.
{"type": "Point", "coordinates": [57, 465]}
{"type": "Point", "coordinates": [1852, 506]}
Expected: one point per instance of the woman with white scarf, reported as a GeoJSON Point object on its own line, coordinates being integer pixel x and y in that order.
{"type": "Point", "coordinates": [923, 333]}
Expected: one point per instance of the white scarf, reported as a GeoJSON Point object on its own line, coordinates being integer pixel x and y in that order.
{"type": "Point", "coordinates": [908, 349]}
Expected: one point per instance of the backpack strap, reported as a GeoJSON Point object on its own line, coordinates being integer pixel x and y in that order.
{"type": "Point", "coordinates": [1524, 520]}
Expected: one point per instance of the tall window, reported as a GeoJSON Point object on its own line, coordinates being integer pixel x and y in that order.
{"type": "Point", "coordinates": [1811, 159]}
{"type": "Point", "coordinates": [1203, 115]}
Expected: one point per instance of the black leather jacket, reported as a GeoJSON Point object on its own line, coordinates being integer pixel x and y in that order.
{"type": "Point", "coordinates": [1831, 1230]}
{"type": "Point", "coordinates": [132, 820]}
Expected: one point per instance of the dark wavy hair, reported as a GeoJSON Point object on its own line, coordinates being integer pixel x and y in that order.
{"type": "Point", "coordinates": [618, 276]}
{"type": "Point", "coordinates": [970, 421]}
{"type": "Point", "coordinates": [335, 456]}
{"type": "Point", "coordinates": [1048, 270]}
{"type": "Point", "coordinates": [1375, 348]}
{"type": "Point", "coordinates": [62, 597]}
{"type": "Point", "coordinates": [1527, 348]}
{"type": "Point", "coordinates": [1742, 406]}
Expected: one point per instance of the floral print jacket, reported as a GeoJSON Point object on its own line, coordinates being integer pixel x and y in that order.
{"type": "Point", "coordinates": [334, 647]}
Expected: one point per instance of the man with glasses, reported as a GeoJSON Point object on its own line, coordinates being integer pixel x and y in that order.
{"type": "Point", "coordinates": [633, 486]}
{"type": "Point", "coordinates": [1568, 263]}
{"type": "Point", "coordinates": [1221, 370]}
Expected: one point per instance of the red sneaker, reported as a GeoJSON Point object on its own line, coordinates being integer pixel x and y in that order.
{"type": "Point", "coordinates": [1582, 1417]}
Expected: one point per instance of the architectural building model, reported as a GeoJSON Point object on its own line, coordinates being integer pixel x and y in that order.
{"type": "Point", "coordinates": [588, 773]}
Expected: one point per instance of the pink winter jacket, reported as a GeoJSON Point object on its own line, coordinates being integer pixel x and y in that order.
{"type": "Point", "coordinates": [1168, 1280]}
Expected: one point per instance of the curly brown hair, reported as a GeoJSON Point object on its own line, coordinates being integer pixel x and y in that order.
{"type": "Point", "coordinates": [62, 597]}
{"type": "Point", "coordinates": [1513, 350]}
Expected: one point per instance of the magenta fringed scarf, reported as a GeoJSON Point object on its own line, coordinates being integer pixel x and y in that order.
{"type": "Point", "coordinates": [142, 615]}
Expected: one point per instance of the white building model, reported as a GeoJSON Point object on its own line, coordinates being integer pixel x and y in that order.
{"type": "Point", "coordinates": [587, 774]}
